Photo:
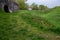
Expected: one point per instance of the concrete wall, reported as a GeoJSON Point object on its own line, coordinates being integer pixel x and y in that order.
{"type": "Point", "coordinates": [11, 5]}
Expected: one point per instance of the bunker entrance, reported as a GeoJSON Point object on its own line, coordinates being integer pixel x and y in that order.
{"type": "Point", "coordinates": [6, 9]}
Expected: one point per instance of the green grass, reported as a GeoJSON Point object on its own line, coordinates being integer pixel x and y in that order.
{"type": "Point", "coordinates": [30, 25]}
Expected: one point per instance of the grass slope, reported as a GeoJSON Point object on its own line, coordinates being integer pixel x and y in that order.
{"type": "Point", "coordinates": [30, 25]}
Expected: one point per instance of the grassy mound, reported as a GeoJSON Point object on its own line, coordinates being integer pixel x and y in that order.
{"type": "Point", "coordinates": [30, 25]}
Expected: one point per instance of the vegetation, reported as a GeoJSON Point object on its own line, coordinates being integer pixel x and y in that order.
{"type": "Point", "coordinates": [34, 6]}
{"type": "Point", "coordinates": [24, 6]}
{"type": "Point", "coordinates": [43, 8]}
{"type": "Point", "coordinates": [30, 25]}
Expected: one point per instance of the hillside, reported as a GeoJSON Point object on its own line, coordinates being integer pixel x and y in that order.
{"type": "Point", "coordinates": [30, 25]}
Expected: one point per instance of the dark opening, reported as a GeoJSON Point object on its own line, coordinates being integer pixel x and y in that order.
{"type": "Point", "coordinates": [6, 9]}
